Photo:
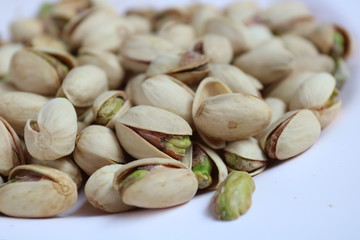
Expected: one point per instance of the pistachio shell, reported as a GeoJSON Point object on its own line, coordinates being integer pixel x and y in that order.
{"type": "Point", "coordinates": [46, 41]}
{"type": "Point", "coordinates": [201, 14]}
{"type": "Point", "coordinates": [7, 51]}
{"type": "Point", "coordinates": [298, 45]}
{"type": "Point", "coordinates": [18, 107]}
{"type": "Point", "coordinates": [97, 146]}
{"type": "Point", "coordinates": [52, 135]}
{"type": "Point", "coordinates": [278, 107]}
{"type": "Point", "coordinates": [6, 87]}
{"type": "Point", "coordinates": [259, 34]}
{"type": "Point", "coordinates": [100, 193]}
{"type": "Point", "coordinates": [242, 11]}
{"type": "Point", "coordinates": [157, 189]}
{"type": "Point", "coordinates": [318, 63]}
{"type": "Point", "coordinates": [23, 29]}
{"type": "Point", "coordinates": [53, 194]}
{"type": "Point", "coordinates": [181, 35]}
{"type": "Point", "coordinates": [134, 91]}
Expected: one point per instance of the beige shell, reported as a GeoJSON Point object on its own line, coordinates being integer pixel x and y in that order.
{"type": "Point", "coordinates": [46, 41]}
{"type": "Point", "coordinates": [242, 11]}
{"type": "Point", "coordinates": [181, 35]}
{"type": "Point", "coordinates": [236, 32]}
{"type": "Point", "coordinates": [7, 51]}
{"type": "Point", "coordinates": [23, 29]}
{"type": "Point", "coordinates": [168, 183]}
{"type": "Point", "coordinates": [100, 192]}
{"type": "Point", "coordinates": [138, 24]}
{"type": "Point", "coordinates": [6, 87]}
{"type": "Point", "coordinates": [208, 45]}
{"type": "Point", "coordinates": [168, 93]}
{"type": "Point", "coordinates": [52, 135]}
{"type": "Point", "coordinates": [234, 78]}
{"type": "Point", "coordinates": [107, 61]}
{"type": "Point", "coordinates": [97, 146]}
{"type": "Point", "coordinates": [298, 45]}
{"type": "Point", "coordinates": [148, 118]}
{"type": "Point", "coordinates": [291, 135]}
{"type": "Point", "coordinates": [268, 63]}
{"type": "Point", "coordinates": [18, 107]}
{"type": "Point", "coordinates": [12, 153]}
{"type": "Point", "coordinates": [258, 34]}
{"type": "Point", "coordinates": [102, 98]}
{"type": "Point", "coordinates": [232, 116]}
{"type": "Point", "coordinates": [64, 164]}
{"type": "Point", "coordinates": [51, 195]}
{"type": "Point", "coordinates": [318, 63]}
{"type": "Point", "coordinates": [278, 107]}
{"type": "Point", "coordinates": [202, 13]}
{"type": "Point", "coordinates": [134, 90]}
{"type": "Point", "coordinates": [83, 84]}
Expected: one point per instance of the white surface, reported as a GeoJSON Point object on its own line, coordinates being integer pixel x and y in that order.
{"type": "Point", "coordinates": [314, 196]}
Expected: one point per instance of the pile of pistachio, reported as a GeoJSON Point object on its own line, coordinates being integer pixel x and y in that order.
{"type": "Point", "coordinates": [147, 108]}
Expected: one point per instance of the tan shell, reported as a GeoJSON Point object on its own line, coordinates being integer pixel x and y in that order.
{"type": "Point", "coordinates": [138, 24]}
{"type": "Point", "coordinates": [242, 11]}
{"type": "Point", "coordinates": [11, 149]}
{"type": "Point", "coordinates": [232, 116]}
{"type": "Point", "coordinates": [18, 107]}
{"type": "Point", "coordinates": [295, 132]}
{"type": "Point", "coordinates": [148, 118]}
{"type": "Point", "coordinates": [97, 146]}
{"type": "Point", "coordinates": [64, 164]}
{"type": "Point", "coordinates": [83, 85]}
{"type": "Point", "coordinates": [7, 51]}
{"type": "Point", "coordinates": [107, 61]}
{"type": "Point", "coordinates": [100, 193]}
{"type": "Point", "coordinates": [278, 107]}
{"type": "Point", "coordinates": [48, 197]}
{"type": "Point", "coordinates": [201, 14]}
{"type": "Point", "coordinates": [52, 135]}
{"type": "Point", "coordinates": [298, 45]}
{"type": "Point", "coordinates": [318, 63]}
{"type": "Point", "coordinates": [234, 78]}
{"type": "Point", "coordinates": [169, 184]}
{"type": "Point", "coordinates": [268, 63]}
{"type": "Point", "coordinates": [102, 98]}
{"type": "Point", "coordinates": [23, 29]}
{"type": "Point", "coordinates": [236, 32]}
{"type": "Point", "coordinates": [134, 90]}
{"type": "Point", "coordinates": [6, 87]}
{"type": "Point", "coordinates": [259, 34]}
{"type": "Point", "coordinates": [181, 35]}
{"type": "Point", "coordinates": [46, 41]}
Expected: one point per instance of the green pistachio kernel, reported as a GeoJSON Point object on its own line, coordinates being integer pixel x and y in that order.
{"type": "Point", "coordinates": [177, 144]}
{"type": "Point", "coordinates": [135, 176]}
{"type": "Point", "coordinates": [45, 9]}
{"type": "Point", "coordinates": [339, 45]}
{"type": "Point", "coordinates": [202, 170]}
{"type": "Point", "coordinates": [108, 110]}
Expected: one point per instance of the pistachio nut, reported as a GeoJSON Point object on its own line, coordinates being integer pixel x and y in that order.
{"type": "Point", "coordinates": [299, 46]}
{"type": "Point", "coordinates": [97, 146]}
{"type": "Point", "coordinates": [24, 29]}
{"type": "Point", "coordinates": [134, 91]}
{"type": "Point", "coordinates": [242, 11]}
{"type": "Point", "coordinates": [139, 50]}
{"type": "Point", "coordinates": [208, 45]}
{"type": "Point", "coordinates": [12, 153]}
{"type": "Point", "coordinates": [171, 14]}
{"type": "Point", "coordinates": [82, 85]}
{"type": "Point", "coordinates": [268, 63]}
{"type": "Point", "coordinates": [245, 155]}
{"type": "Point", "coordinates": [155, 183]}
{"type": "Point", "coordinates": [65, 164]}
{"type": "Point", "coordinates": [138, 24]}
{"type": "Point", "coordinates": [40, 71]}
{"type": "Point", "coordinates": [6, 87]}
{"type": "Point", "coordinates": [52, 134]}
{"type": "Point", "coordinates": [208, 167]}
{"type": "Point", "coordinates": [181, 35]}
{"type": "Point", "coordinates": [318, 93]}
{"type": "Point", "coordinates": [108, 106]}
{"type": "Point", "coordinates": [278, 107]}
{"type": "Point", "coordinates": [7, 51]}
{"type": "Point", "coordinates": [35, 191]}
{"type": "Point", "coordinates": [189, 67]}
{"type": "Point", "coordinates": [292, 134]}
{"type": "Point", "coordinates": [259, 34]}
{"type": "Point", "coordinates": [201, 14]}
{"type": "Point", "coordinates": [45, 41]}
{"type": "Point", "coordinates": [341, 72]}
{"type": "Point", "coordinates": [147, 131]}
{"type": "Point", "coordinates": [318, 63]}
{"type": "Point", "coordinates": [18, 107]}
{"type": "Point", "coordinates": [107, 61]}
{"type": "Point", "coordinates": [101, 194]}
{"type": "Point", "coordinates": [233, 198]}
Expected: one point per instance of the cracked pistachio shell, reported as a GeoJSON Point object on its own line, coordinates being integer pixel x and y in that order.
{"type": "Point", "coordinates": [208, 45]}
{"type": "Point", "coordinates": [232, 116]}
{"type": "Point", "coordinates": [253, 159]}
{"type": "Point", "coordinates": [209, 87]}
{"type": "Point", "coordinates": [24, 29]}
{"type": "Point", "coordinates": [168, 183]}
{"type": "Point", "coordinates": [298, 45]}
{"type": "Point", "coordinates": [220, 172]}
{"type": "Point", "coordinates": [236, 32]}
{"type": "Point", "coordinates": [100, 192]}
{"type": "Point", "coordinates": [64, 164]}
{"type": "Point", "coordinates": [268, 63]}
{"type": "Point", "coordinates": [170, 94]}
{"type": "Point", "coordinates": [259, 34]}
{"type": "Point", "coordinates": [318, 63]}
{"type": "Point", "coordinates": [83, 84]}
{"type": "Point", "coordinates": [139, 50]}
{"type": "Point", "coordinates": [7, 51]}
{"type": "Point", "coordinates": [108, 95]}
{"type": "Point", "coordinates": [188, 67]}
{"type": "Point", "coordinates": [283, 15]}
{"type": "Point", "coordinates": [234, 78]}
{"type": "Point", "coordinates": [52, 66]}
{"type": "Point", "coordinates": [292, 134]}
{"type": "Point", "coordinates": [12, 153]}
{"type": "Point", "coordinates": [286, 88]}
{"type": "Point", "coordinates": [242, 11]}
{"type": "Point", "coordinates": [314, 94]}
{"type": "Point", "coordinates": [181, 35]}
{"type": "Point", "coordinates": [278, 107]}
{"type": "Point", "coordinates": [134, 90]}
{"type": "Point", "coordinates": [152, 119]}
{"type": "Point", "coordinates": [52, 134]}
{"type": "Point", "coordinates": [201, 14]}
{"type": "Point", "coordinates": [51, 195]}
{"type": "Point", "coordinates": [18, 107]}
{"type": "Point", "coordinates": [107, 61]}
{"type": "Point", "coordinates": [97, 146]}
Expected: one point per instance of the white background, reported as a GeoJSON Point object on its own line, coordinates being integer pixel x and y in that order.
{"type": "Point", "coordinates": [314, 196]}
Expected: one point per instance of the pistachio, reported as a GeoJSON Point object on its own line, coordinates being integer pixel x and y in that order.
{"type": "Point", "coordinates": [341, 72]}
{"type": "Point", "coordinates": [7, 51]}
{"type": "Point", "coordinates": [23, 29]}
{"type": "Point", "coordinates": [108, 109]}
{"type": "Point", "coordinates": [233, 197]}
{"type": "Point", "coordinates": [202, 167]}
